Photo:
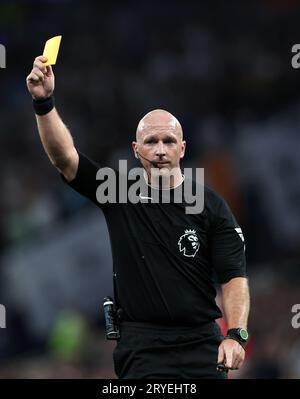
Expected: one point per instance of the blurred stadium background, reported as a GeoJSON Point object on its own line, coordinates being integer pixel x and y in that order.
{"type": "Point", "coordinates": [224, 69]}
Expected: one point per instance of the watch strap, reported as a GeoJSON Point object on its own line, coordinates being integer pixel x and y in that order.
{"type": "Point", "coordinates": [238, 334]}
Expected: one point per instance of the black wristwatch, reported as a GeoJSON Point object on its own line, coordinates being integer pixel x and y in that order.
{"type": "Point", "coordinates": [240, 335]}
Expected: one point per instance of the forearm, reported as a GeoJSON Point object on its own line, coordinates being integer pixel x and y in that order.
{"type": "Point", "coordinates": [236, 302]}
{"type": "Point", "coordinates": [56, 139]}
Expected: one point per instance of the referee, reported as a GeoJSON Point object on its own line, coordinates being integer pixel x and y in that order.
{"type": "Point", "coordinates": [166, 261]}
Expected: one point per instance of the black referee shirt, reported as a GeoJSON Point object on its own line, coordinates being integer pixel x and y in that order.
{"type": "Point", "coordinates": [166, 262]}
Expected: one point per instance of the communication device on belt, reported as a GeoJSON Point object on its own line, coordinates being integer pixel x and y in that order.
{"type": "Point", "coordinates": [111, 324]}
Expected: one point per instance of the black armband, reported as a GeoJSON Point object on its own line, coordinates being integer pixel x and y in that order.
{"type": "Point", "coordinates": [42, 107]}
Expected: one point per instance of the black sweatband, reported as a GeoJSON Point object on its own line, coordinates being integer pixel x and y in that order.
{"type": "Point", "coordinates": [42, 107]}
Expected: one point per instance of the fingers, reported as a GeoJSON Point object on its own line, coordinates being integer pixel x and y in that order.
{"type": "Point", "coordinates": [238, 359]}
{"type": "Point", "coordinates": [39, 63]}
{"type": "Point", "coordinates": [228, 358]}
{"type": "Point", "coordinates": [41, 58]}
{"type": "Point", "coordinates": [49, 71]}
{"type": "Point", "coordinates": [39, 71]}
{"type": "Point", "coordinates": [32, 77]}
{"type": "Point", "coordinates": [233, 354]}
{"type": "Point", "coordinates": [235, 359]}
{"type": "Point", "coordinates": [221, 354]}
{"type": "Point", "coordinates": [36, 75]}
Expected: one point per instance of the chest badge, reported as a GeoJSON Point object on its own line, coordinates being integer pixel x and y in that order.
{"type": "Point", "coordinates": [189, 243]}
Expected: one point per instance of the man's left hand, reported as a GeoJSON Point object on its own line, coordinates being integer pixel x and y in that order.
{"type": "Point", "coordinates": [231, 354]}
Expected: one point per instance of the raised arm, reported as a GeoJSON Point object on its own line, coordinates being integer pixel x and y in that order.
{"type": "Point", "coordinates": [55, 136]}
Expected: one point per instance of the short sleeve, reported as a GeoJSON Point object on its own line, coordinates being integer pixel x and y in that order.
{"type": "Point", "coordinates": [228, 246]}
{"type": "Point", "coordinates": [85, 182]}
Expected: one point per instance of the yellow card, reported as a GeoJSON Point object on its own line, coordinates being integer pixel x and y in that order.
{"type": "Point", "coordinates": [51, 50]}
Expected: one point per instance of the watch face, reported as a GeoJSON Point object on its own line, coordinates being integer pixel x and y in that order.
{"type": "Point", "coordinates": [244, 334]}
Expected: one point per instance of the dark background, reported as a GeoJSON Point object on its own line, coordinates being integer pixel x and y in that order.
{"type": "Point", "coordinates": [224, 70]}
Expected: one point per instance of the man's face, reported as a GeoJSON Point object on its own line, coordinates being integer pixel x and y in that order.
{"type": "Point", "coordinates": [162, 145]}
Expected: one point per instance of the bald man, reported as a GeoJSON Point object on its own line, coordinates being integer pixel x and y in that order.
{"type": "Point", "coordinates": [166, 262]}
{"type": "Point", "coordinates": [159, 142]}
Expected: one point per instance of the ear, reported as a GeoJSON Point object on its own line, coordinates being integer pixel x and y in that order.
{"type": "Point", "coordinates": [134, 147]}
{"type": "Point", "coordinates": [183, 146]}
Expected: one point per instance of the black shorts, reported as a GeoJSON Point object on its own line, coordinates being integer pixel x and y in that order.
{"type": "Point", "coordinates": [151, 351]}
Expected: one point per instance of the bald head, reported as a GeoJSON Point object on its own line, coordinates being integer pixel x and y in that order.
{"type": "Point", "coordinates": [158, 120]}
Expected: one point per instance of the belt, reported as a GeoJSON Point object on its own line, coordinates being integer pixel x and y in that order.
{"type": "Point", "coordinates": [161, 328]}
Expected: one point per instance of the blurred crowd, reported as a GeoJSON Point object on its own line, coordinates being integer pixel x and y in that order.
{"type": "Point", "coordinates": [225, 72]}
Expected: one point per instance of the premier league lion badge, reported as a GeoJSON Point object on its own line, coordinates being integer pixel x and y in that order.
{"type": "Point", "coordinates": [189, 243]}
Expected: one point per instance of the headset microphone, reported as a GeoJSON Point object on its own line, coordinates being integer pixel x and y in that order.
{"type": "Point", "coordinates": [154, 163]}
